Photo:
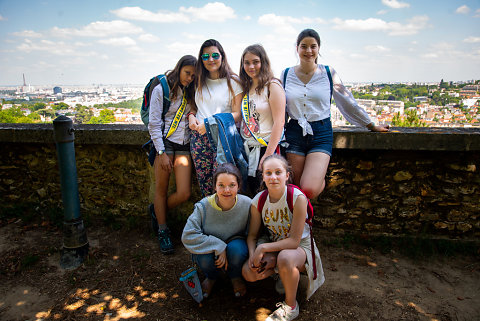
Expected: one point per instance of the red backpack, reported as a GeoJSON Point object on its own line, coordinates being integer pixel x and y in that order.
{"type": "Point", "coordinates": [308, 220]}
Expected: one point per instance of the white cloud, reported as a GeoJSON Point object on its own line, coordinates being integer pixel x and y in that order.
{"type": "Point", "coordinates": [99, 29]}
{"type": "Point", "coordinates": [213, 11]}
{"type": "Point", "coordinates": [374, 24]}
{"type": "Point", "coordinates": [477, 13]}
{"type": "Point", "coordinates": [247, 18]}
{"type": "Point", "coordinates": [380, 12]}
{"type": "Point", "coordinates": [395, 4]}
{"type": "Point", "coordinates": [430, 55]}
{"type": "Point", "coordinates": [376, 48]}
{"type": "Point", "coordinates": [123, 41]}
{"type": "Point", "coordinates": [282, 24]}
{"type": "Point", "coordinates": [357, 56]}
{"type": "Point", "coordinates": [472, 39]}
{"type": "Point", "coordinates": [137, 13]}
{"type": "Point", "coordinates": [463, 9]}
{"type": "Point", "coordinates": [2, 18]}
{"type": "Point", "coordinates": [148, 37]}
{"type": "Point", "coordinates": [181, 47]}
{"type": "Point", "coordinates": [27, 34]}
{"type": "Point", "coordinates": [57, 48]}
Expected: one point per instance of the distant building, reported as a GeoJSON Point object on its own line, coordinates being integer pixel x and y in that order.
{"type": "Point", "coordinates": [57, 90]}
{"type": "Point", "coordinates": [420, 99]}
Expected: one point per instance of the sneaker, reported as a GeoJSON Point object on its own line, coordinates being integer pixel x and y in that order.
{"type": "Point", "coordinates": [151, 212]}
{"type": "Point", "coordinates": [166, 245]}
{"type": "Point", "coordinates": [284, 312]}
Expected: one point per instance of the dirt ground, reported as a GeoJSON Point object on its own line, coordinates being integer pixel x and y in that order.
{"type": "Point", "coordinates": [126, 277]}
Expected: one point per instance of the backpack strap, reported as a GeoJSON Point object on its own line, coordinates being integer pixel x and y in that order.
{"type": "Point", "coordinates": [329, 74]}
{"type": "Point", "coordinates": [166, 94]}
{"type": "Point", "coordinates": [285, 73]}
{"type": "Point", "coordinates": [261, 200]}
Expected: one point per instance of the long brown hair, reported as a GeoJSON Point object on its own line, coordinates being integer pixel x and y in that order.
{"type": "Point", "coordinates": [225, 71]}
{"type": "Point", "coordinates": [173, 77]}
{"type": "Point", "coordinates": [265, 75]}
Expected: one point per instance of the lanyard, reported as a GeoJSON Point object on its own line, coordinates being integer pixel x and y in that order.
{"type": "Point", "coordinates": [246, 116]}
{"type": "Point", "coordinates": [178, 117]}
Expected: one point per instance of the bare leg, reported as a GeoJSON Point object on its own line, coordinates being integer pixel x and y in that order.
{"type": "Point", "coordinates": [161, 190]}
{"type": "Point", "coordinates": [312, 180]}
{"type": "Point", "coordinates": [290, 263]}
{"type": "Point", "coordinates": [183, 180]}
{"type": "Point", "coordinates": [297, 162]}
{"type": "Point", "coordinates": [252, 275]}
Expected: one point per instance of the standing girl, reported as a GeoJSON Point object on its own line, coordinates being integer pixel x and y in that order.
{"type": "Point", "coordinates": [217, 91]}
{"type": "Point", "coordinates": [215, 231]}
{"type": "Point", "coordinates": [288, 249]}
{"type": "Point", "coordinates": [309, 88]}
{"type": "Point", "coordinates": [171, 138]}
{"type": "Point", "coordinates": [263, 110]}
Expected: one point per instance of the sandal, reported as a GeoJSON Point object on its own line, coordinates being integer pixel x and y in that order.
{"type": "Point", "coordinates": [239, 287]}
{"type": "Point", "coordinates": [207, 286]}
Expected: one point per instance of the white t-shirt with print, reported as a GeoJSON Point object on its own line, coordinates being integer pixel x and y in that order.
{"type": "Point", "coordinates": [278, 218]}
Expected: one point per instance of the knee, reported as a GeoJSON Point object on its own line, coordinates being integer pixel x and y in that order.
{"type": "Point", "coordinates": [237, 252]}
{"type": "Point", "coordinates": [312, 192]}
{"type": "Point", "coordinates": [284, 262]}
{"type": "Point", "coordinates": [184, 195]}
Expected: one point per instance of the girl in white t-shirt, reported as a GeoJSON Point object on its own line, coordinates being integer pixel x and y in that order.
{"type": "Point", "coordinates": [216, 91]}
{"type": "Point", "coordinates": [263, 111]}
{"type": "Point", "coordinates": [286, 249]}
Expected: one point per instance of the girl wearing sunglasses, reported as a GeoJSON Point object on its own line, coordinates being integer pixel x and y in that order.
{"type": "Point", "coordinates": [263, 111]}
{"type": "Point", "coordinates": [217, 91]}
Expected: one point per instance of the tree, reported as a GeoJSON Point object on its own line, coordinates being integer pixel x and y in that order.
{"type": "Point", "coordinates": [38, 106]}
{"type": "Point", "coordinates": [106, 116]}
{"type": "Point", "coordinates": [14, 115]}
{"type": "Point", "coordinates": [60, 105]}
{"type": "Point", "coordinates": [410, 119]}
{"type": "Point", "coordinates": [83, 115]}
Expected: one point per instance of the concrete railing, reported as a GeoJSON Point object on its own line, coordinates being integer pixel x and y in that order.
{"type": "Point", "coordinates": [408, 181]}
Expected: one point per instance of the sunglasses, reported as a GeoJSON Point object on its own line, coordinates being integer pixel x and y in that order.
{"type": "Point", "coordinates": [214, 55]}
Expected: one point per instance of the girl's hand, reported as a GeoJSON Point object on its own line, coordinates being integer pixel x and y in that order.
{"type": "Point", "coordinates": [192, 122]}
{"type": "Point", "coordinates": [165, 162]}
{"type": "Point", "coordinates": [201, 129]}
{"type": "Point", "coordinates": [258, 256]}
{"type": "Point", "coordinates": [378, 128]}
{"type": "Point", "coordinates": [221, 261]}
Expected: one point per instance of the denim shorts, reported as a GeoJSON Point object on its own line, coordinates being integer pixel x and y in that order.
{"type": "Point", "coordinates": [176, 149]}
{"type": "Point", "coordinates": [320, 141]}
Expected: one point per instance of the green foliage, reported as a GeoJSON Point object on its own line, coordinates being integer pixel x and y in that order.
{"type": "Point", "coordinates": [14, 115]}
{"type": "Point", "coordinates": [135, 104]}
{"type": "Point", "coordinates": [106, 116]}
{"type": "Point", "coordinates": [410, 119]}
{"type": "Point", "coordinates": [83, 115]}
{"type": "Point", "coordinates": [38, 106]}
{"type": "Point", "coordinates": [60, 106]}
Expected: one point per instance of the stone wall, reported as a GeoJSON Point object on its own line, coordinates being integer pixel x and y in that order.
{"type": "Point", "coordinates": [408, 181]}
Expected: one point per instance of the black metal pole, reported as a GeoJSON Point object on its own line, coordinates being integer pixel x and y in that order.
{"type": "Point", "coordinates": [75, 242]}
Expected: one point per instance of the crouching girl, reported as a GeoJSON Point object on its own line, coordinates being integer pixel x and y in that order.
{"type": "Point", "coordinates": [286, 249]}
{"type": "Point", "coordinates": [215, 231]}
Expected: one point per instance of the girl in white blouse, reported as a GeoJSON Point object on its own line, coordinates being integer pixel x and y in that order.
{"type": "Point", "coordinates": [171, 140]}
{"type": "Point", "coordinates": [263, 111]}
{"type": "Point", "coordinates": [309, 132]}
{"type": "Point", "coordinates": [216, 91]}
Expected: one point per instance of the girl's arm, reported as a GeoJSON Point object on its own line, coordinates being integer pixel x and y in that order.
{"type": "Point", "coordinates": [237, 107]}
{"type": "Point", "coordinates": [349, 107]}
{"type": "Point", "coordinates": [155, 122]}
{"type": "Point", "coordinates": [253, 230]}
{"type": "Point", "coordinates": [295, 233]}
{"type": "Point", "coordinates": [276, 101]}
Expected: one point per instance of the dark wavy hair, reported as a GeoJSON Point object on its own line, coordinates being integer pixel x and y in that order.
{"type": "Point", "coordinates": [265, 75]}
{"type": "Point", "coordinates": [227, 168]}
{"type": "Point", "coordinates": [173, 77]}
{"type": "Point", "coordinates": [309, 33]}
{"type": "Point", "coordinates": [225, 71]}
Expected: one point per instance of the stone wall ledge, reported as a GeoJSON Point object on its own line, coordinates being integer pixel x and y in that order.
{"type": "Point", "coordinates": [427, 138]}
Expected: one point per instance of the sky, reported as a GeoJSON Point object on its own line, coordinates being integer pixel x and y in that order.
{"type": "Point", "coordinates": [66, 42]}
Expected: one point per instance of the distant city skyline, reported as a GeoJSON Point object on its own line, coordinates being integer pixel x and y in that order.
{"type": "Point", "coordinates": [127, 42]}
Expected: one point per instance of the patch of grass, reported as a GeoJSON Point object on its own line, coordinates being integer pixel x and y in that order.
{"type": "Point", "coordinates": [25, 212]}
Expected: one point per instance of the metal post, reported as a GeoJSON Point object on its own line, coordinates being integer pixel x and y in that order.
{"type": "Point", "coordinates": [75, 242]}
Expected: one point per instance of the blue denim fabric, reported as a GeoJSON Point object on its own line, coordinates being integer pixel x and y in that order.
{"type": "Point", "coordinates": [237, 254]}
{"type": "Point", "coordinates": [320, 141]}
{"type": "Point", "coordinates": [221, 127]}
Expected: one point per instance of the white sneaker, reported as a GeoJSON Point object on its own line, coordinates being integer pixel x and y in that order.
{"type": "Point", "coordinates": [284, 312]}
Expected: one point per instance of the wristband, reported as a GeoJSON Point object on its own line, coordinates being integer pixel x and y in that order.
{"type": "Point", "coordinates": [190, 114]}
